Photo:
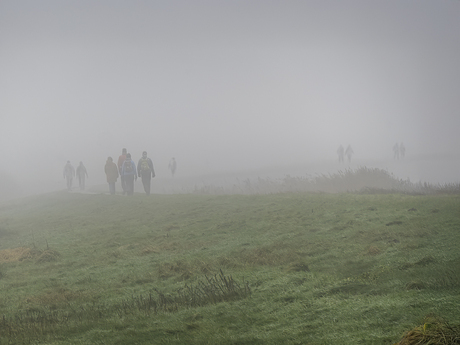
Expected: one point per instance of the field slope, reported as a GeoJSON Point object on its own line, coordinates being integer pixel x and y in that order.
{"type": "Point", "coordinates": [292, 268]}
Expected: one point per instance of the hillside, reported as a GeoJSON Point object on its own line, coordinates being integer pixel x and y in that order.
{"type": "Point", "coordinates": [292, 268]}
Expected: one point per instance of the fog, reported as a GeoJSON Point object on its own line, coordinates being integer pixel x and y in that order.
{"type": "Point", "coordinates": [237, 88]}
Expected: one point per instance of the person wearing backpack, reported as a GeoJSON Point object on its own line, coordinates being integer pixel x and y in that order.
{"type": "Point", "coordinates": [145, 171]}
{"type": "Point", "coordinates": [129, 174]}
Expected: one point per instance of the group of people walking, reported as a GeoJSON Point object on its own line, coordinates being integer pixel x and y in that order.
{"type": "Point", "coordinates": [129, 172]}
{"type": "Point", "coordinates": [125, 168]}
{"type": "Point", "coordinates": [399, 151]}
{"type": "Point", "coordinates": [69, 173]}
{"type": "Point", "coordinates": [342, 152]}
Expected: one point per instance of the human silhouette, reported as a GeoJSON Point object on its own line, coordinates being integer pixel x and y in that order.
{"type": "Point", "coordinates": [396, 151]}
{"type": "Point", "coordinates": [121, 160]}
{"type": "Point", "coordinates": [172, 166]}
{"type": "Point", "coordinates": [340, 152]}
{"type": "Point", "coordinates": [69, 173]}
{"type": "Point", "coordinates": [402, 150]}
{"type": "Point", "coordinates": [145, 171]}
{"type": "Point", "coordinates": [111, 171]}
{"type": "Point", "coordinates": [81, 175]}
{"type": "Point", "coordinates": [129, 173]}
{"type": "Point", "coordinates": [349, 152]}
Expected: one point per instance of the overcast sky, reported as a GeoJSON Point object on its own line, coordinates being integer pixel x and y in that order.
{"type": "Point", "coordinates": [225, 84]}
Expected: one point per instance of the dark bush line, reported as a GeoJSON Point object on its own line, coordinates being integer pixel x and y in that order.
{"type": "Point", "coordinates": [362, 180]}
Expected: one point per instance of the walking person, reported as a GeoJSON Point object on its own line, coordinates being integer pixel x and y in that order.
{"type": "Point", "coordinates": [396, 151]}
{"type": "Point", "coordinates": [145, 171]}
{"type": "Point", "coordinates": [81, 175]}
{"type": "Point", "coordinates": [69, 173]}
{"type": "Point", "coordinates": [349, 152]}
{"type": "Point", "coordinates": [172, 166]}
{"type": "Point", "coordinates": [111, 171]}
{"type": "Point", "coordinates": [402, 150]}
{"type": "Point", "coordinates": [340, 152]}
{"type": "Point", "coordinates": [128, 174]}
{"type": "Point", "coordinates": [121, 160]}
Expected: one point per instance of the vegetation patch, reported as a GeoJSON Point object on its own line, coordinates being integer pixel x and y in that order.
{"type": "Point", "coordinates": [48, 255]}
{"type": "Point", "coordinates": [54, 297]}
{"type": "Point", "coordinates": [432, 332]}
{"type": "Point", "coordinates": [146, 270]}
{"type": "Point", "coordinates": [34, 322]}
{"type": "Point", "coordinates": [19, 254]}
{"type": "Point", "coordinates": [373, 250]}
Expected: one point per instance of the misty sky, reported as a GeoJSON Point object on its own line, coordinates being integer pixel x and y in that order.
{"type": "Point", "coordinates": [225, 84]}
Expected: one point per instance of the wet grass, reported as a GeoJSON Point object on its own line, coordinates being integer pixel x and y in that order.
{"type": "Point", "coordinates": [290, 268]}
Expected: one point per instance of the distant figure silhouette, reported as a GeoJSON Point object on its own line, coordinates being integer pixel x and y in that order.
{"type": "Point", "coordinates": [69, 173]}
{"type": "Point", "coordinates": [81, 175]}
{"type": "Point", "coordinates": [396, 151]}
{"type": "Point", "coordinates": [145, 171]}
{"type": "Point", "coordinates": [129, 174]}
{"type": "Point", "coordinates": [172, 166]}
{"type": "Point", "coordinates": [349, 152]}
{"type": "Point", "coordinates": [340, 152]}
{"type": "Point", "coordinates": [402, 150]}
{"type": "Point", "coordinates": [111, 171]}
{"type": "Point", "coordinates": [121, 160]}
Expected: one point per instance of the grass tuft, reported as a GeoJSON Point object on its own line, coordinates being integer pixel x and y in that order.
{"type": "Point", "coordinates": [432, 332]}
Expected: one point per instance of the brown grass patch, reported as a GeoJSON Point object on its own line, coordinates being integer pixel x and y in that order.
{"type": "Point", "coordinates": [54, 297]}
{"type": "Point", "coordinates": [149, 249]}
{"type": "Point", "coordinates": [18, 254]}
{"type": "Point", "coordinates": [273, 255]}
{"type": "Point", "coordinates": [373, 250]}
{"type": "Point", "coordinates": [24, 253]}
{"type": "Point", "coordinates": [179, 269]}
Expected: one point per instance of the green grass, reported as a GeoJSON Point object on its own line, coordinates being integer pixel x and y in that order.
{"type": "Point", "coordinates": [319, 268]}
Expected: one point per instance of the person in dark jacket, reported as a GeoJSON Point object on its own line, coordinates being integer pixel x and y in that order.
{"type": "Point", "coordinates": [69, 174]}
{"type": "Point", "coordinates": [349, 152]}
{"type": "Point", "coordinates": [111, 171]}
{"type": "Point", "coordinates": [121, 160]}
{"type": "Point", "coordinates": [145, 171]}
{"type": "Point", "coordinates": [129, 174]}
{"type": "Point", "coordinates": [81, 175]}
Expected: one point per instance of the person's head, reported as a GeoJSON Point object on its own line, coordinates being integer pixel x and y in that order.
{"type": "Point", "coordinates": [110, 159]}
{"type": "Point", "coordinates": [81, 163]}
{"type": "Point", "coordinates": [128, 156]}
{"type": "Point", "coordinates": [124, 151]}
{"type": "Point", "coordinates": [68, 162]}
{"type": "Point", "coordinates": [144, 154]}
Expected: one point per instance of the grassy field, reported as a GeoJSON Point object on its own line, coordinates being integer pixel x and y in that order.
{"type": "Point", "coordinates": [285, 268]}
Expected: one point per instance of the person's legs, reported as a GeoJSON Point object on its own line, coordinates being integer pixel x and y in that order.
{"type": "Point", "coordinates": [123, 184]}
{"type": "Point", "coordinates": [129, 184]}
{"type": "Point", "coordinates": [146, 178]}
{"type": "Point", "coordinates": [69, 182]}
{"type": "Point", "coordinates": [82, 185]}
{"type": "Point", "coordinates": [112, 188]}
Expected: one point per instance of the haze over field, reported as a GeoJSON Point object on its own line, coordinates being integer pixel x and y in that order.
{"type": "Point", "coordinates": [258, 87]}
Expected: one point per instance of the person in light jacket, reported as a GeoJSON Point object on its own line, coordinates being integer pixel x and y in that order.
{"type": "Point", "coordinates": [129, 174]}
